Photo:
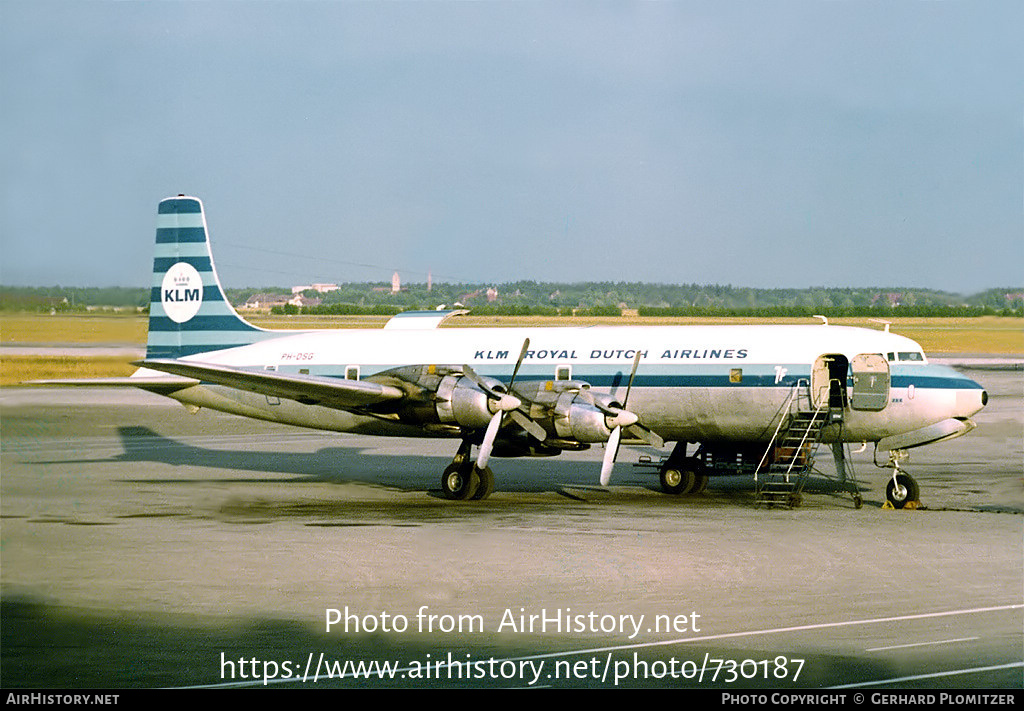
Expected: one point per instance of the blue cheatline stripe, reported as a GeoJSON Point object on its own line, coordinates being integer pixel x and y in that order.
{"type": "Point", "coordinates": [179, 205]}
{"type": "Point", "coordinates": [201, 323]}
{"type": "Point", "coordinates": [162, 264]}
{"type": "Point", "coordinates": [935, 383]}
{"type": "Point", "coordinates": [165, 235]}
{"type": "Point", "coordinates": [204, 342]}
{"type": "Point", "coordinates": [211, 295]}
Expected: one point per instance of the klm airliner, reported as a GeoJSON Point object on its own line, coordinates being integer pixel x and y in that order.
{"type": "Point", "coordinates": [753, 400]}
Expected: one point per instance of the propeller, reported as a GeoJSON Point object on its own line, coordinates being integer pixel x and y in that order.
{"type": "Point", "coordinates": [620, 418]}
{"type": "Point", "coordinates": [504, 402]}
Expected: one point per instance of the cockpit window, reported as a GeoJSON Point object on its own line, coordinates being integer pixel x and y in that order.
{"type": "Point", "coordinates": [892, 356]}
{"type": "Point", "coordinates": [912, 356]}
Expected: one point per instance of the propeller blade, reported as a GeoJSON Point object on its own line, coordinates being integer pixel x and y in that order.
{"type": "Point", "coordinates": [529, 425]}
{"type": "Point", "coordinates": [489, 436]}
{"type": "Point", "coordinates": [652, 438]}
{"type": "Point", "coordinates": [478, 381]}
{"type": "Point", "coordinates": [611, 449]}
{"type": "Point", "coordinates": [632, 374]}
{"type": "Point", "coordinates": [522, 355]}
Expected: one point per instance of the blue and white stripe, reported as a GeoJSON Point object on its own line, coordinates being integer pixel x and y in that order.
{"type": "Point", "coordinates": [182, 237]}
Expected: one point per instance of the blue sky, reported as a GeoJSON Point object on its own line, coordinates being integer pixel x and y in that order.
{"type": "Point", "coordinates": [763, 144]}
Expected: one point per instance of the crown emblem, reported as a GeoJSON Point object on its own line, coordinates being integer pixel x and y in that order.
{"type": "Point", "coordinates": [181, 280]}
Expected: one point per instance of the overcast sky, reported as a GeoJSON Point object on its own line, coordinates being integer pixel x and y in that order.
{"type": "Point", "coordinates": [764, 144]}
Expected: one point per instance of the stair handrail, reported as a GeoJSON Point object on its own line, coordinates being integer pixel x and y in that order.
{"type": "Point", "coordinates": [793, 393]}
{"type": "Point", "coordinates": [803, 440]}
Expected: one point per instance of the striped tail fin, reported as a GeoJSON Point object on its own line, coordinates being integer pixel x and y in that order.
{"type": "Point", "coordinates": [188, 312]}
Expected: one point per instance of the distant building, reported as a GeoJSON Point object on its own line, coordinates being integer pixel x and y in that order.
{"type": "Point", "coordinates": [265, 301]}
{"type": "Point", "coordinates": [319, 288]}
{"type": "Point", "coordinates": [396, 283]}
{"type": "Point", "coordinates": [492, 294]}
{"type": "Point", "coordinates": [300, 300]}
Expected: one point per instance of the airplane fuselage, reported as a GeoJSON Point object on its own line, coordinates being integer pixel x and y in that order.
{"type": "Point", "coordinates": [693, 383]}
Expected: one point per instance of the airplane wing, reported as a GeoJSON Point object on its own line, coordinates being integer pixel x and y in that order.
{"type": "Point", "coordinates": [307, 389]}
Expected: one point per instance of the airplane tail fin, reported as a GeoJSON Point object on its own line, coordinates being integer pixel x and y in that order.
{"type": "Point", "coordinates": [188, 312]}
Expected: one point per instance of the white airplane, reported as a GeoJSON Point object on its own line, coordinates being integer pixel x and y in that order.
{"type": "Point", "coordinates": [736, 392]}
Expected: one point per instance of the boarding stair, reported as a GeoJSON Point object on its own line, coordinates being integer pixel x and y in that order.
{"type": "Point", "coordinates": [789, 457]}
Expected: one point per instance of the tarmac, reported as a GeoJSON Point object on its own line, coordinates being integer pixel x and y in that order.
{"type": "Point", "coordinates": [144, 546]}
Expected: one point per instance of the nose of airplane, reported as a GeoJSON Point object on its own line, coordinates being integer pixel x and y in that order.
{"type": "Point", "coordinates": [970, 400]}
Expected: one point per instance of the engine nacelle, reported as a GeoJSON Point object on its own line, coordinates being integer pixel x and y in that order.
{"type": "Point", "coordinates": [576, 418]}
{"type": "Point", "coordinates": [460, 402]}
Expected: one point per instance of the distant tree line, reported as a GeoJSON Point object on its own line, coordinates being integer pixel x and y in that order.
{"type": "Point", "coordinates": [71, 299]}
{"type": "Point", "coordinates": [929, 310]}
{"type": "Point", "coordinates": [529, 298]}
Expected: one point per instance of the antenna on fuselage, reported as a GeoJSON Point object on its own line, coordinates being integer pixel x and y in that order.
{"type": "Point", "coordinates": [878, 320]}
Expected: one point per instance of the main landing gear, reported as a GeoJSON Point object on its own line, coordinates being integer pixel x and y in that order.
{"type": "Point", "coordinates": [463, 479]}
{"type": "Point", "coordinates": [681, 474]}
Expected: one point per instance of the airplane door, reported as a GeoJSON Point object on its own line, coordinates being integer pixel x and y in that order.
{"type": "Point", "coordinates": [871, 382]}
{"type": "Point", "coordinates": [828, 381]}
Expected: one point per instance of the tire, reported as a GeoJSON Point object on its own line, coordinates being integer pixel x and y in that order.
{"type": "Point", "coordinates": [700, 484]}
{"type": "Point", "coordinates": [459, 483]}
{"type": "Point", "coordinates": [910, 492]}
{"type": "Point", "coordinates": [486, 486]}
{"type": "Point", "coordinates": [677, 481]}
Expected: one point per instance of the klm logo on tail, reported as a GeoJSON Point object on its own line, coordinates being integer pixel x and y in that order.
{"type": "Point", "coordinates": [188, 312]}
{"type": "Point", "coordinates": [181, 292]}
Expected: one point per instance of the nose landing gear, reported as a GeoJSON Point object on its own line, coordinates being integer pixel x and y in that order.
{"type": "Point", "coordinates": [902, 490]}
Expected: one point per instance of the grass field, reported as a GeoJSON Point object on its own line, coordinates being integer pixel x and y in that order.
{"type": "Point", "coordinates": [985, 335]}
{"type": "Point", "coordinates": [17, 369]}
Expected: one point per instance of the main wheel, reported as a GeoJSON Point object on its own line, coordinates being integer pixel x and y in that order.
{"type": "Point", "coordinates": [700, 483]}
{"type": "Point", "coordinates": [460, 482]}
{"type": "Point", "coordinates": [677, 481]}
{"type": "Point", "coordinates": [486, 486]}
{"type": "Point", "coordinates": [902, 490]}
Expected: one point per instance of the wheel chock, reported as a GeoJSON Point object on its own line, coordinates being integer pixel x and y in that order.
{"type": "Point", "coordinates": [909, 506]}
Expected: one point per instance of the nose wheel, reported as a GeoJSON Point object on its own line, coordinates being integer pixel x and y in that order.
{"type": "Point", "coordinates": [902, 490]}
